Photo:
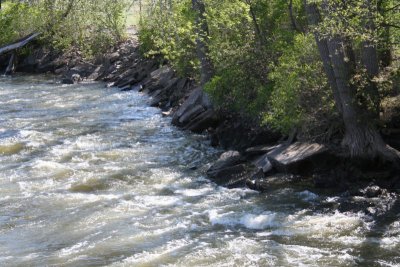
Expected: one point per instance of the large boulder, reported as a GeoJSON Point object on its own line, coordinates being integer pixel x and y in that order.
{"type": "Point", "coordinates": [300, 158]}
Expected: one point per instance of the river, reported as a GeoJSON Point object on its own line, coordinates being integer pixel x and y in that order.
{"type": "Point", "coordinates": [91, 176]}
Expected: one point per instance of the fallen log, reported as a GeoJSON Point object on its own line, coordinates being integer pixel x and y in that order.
{"type": "Point", "coordinates": [18, 44]}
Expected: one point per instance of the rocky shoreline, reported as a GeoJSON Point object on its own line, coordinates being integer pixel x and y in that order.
{"type": "Point", "coordinates": [256, 157]}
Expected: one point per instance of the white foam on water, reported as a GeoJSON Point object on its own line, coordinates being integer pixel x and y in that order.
{"type": "Point", "coordinates": [157, 256]}
{"type": "Point", "coordinates": [159, 201]}
{"type": "Point", "coordinates": [384, 263]}
{"type": "Point", "coordinates": [29, 187]}
{"type": "Point", "coordinates": [249, 221]}
{"type": "Point", "coordinates": [74, 249]}
{"type": "Point", "coordinates": [307, 195]}
{"type": "Point", "coordinates": [327, 225]}
{"type": "Point", "coordinates": [36, 139]}
{"type": "Point", "coordinates": [194, 192]}
{"type": "Point", "coordinates": [262, 221]}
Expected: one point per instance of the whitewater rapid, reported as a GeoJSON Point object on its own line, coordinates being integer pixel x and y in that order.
{"type": "Point", "coordinates": [91, 176]}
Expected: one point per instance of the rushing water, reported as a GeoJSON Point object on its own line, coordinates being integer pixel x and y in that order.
{"type": "Point", "coordinates": [91, 176]}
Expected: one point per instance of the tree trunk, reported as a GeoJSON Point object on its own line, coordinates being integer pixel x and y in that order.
{"type": "Point", "coordinates": [295, 24]}
{"type": "Point", "coordinates": [314, 18]}
{"type": "Point", "coordinates": [257, 29]}
{"type": "Point", "coordinates": [201, 42]}
{"type": "Point", "coordinates": [369, 57]}
{"type": "Point", "coordinates": [362, 139]}
{"type": "Point", "coordinates": [385, 53]}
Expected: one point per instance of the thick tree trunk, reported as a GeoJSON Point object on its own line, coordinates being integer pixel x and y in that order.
{"type": "Point", "coordinates": [201, 42]}
{"type": "Point", "coordinates": [362, 139]}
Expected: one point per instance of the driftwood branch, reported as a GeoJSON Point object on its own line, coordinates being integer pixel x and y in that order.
{"type": "Point", "coordinates": [18, 44]}
{"type": "Point", "coordinates": [11, 64]}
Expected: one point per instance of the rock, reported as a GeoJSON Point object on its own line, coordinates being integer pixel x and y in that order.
{"type": "Point", "coordinates": [259, 150]}
{"type": "Point", "coordinates": [272, 182]}
{"type": "Point", "coordinates": [226, 160]}
{"type": "Point", "coordinates": [194, 99]}
{"type": "Point", "coordinates": [196, 113]}
{"type": "Point", "coordinates": [229, 170]}
{"type": "Point", "coordinates": [372, 191]}
{"type": "Point", "coordinates": [74, 79]}
{"type": "Point", "coordinates": [202, 122]}
{"type": "Point", "coordinates": [262, 163]}
{"type": "Point", "coordinates": [159, 79]}
{"type": "Point", "coordinates": [157, 98]}
{"type": "Point", "coordinates": [84, 70]}
{"type": "Point", "coordinates": [300, 158]}
{"type": "Point", "coordinates": [61, 70]}
{"type": "Point", "coordinates": [180, 90]}
{"type": "Point", "coordinates": [114, 57]}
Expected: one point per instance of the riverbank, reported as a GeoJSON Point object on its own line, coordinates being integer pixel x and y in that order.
{"type": "Point", "coordinates": [257, 157]}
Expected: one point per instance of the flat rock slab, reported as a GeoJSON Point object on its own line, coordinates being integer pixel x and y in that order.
{"type": "Point", "coordinates": [299, 158]}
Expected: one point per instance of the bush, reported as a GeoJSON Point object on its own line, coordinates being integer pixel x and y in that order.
{"type": "Point", "coordinates": [91, 26]}
{"type": "Point", "coordinates": [301, 98]}
{"type": "Point", "coordinates": [235, 90]}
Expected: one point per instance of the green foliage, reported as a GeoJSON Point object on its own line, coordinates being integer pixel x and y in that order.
{"type": "Point", "coordinates": [168, 30]}
{"type": "Point", "coordinates": [301, 97]}
{"type": "Point", "coordinates": [92, 26]}
{"type": "Point", "coordinates": [235, 90]}
{"type": "Point", "coordinates": [17, 20]}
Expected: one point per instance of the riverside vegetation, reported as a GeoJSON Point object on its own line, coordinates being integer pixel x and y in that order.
{"type": "Point", "coordinates": [309, 88]}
